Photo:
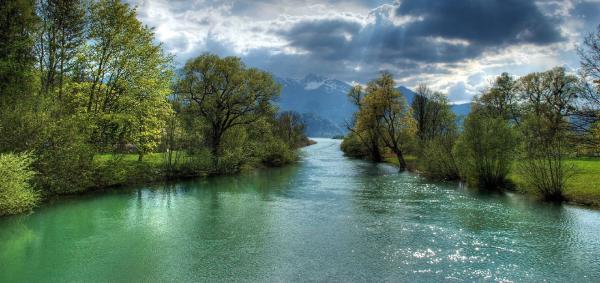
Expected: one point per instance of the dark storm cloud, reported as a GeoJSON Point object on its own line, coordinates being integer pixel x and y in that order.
{"type": "Point", "coordinates": [440, 31]}
{"type": "Point", "coordinates": [485, 22]}
{"type": "Point", "coordinates": [330, 38]}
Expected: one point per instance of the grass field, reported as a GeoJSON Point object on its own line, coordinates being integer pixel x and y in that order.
{"type": "Point", "coordinates": [582, 188]}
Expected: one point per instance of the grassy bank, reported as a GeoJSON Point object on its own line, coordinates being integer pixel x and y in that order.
{"type": "Point", "coordinates": [583, 188]}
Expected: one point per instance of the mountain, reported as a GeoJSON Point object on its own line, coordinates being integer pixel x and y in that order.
{"type": "Point", "coordinates": [322, 101]}
{"type": "Point", "coordinates": [324, 105]}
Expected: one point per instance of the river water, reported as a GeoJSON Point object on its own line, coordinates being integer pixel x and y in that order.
{"type": "Point", "coordinates": [328, 218]}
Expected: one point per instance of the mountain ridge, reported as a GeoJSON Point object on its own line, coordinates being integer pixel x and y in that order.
{"type": "Point", "coordinates": [324, 105]}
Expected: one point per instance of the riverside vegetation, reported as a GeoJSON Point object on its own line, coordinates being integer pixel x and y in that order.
{"type": "Point", "coordinates": [538, 134]}
{"type": "Point", "coordinates": [88, 99]}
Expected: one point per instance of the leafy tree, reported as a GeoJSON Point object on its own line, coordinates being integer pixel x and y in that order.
{"type": "Point", "coordinates": [486, 149]}
{"type": "Point", "coordinates": [290, 127]}
{"type": "Point", "coordinates": [548, 101]}
{"type": "Point", "coordinates": [502, 99]}
{"type": "Point", "coordinates": [16, 192]}
{"type": "Point", "coordinates": [18, 20]}
{"type": "Point", "coordinates": [385, 109]}
{"type": "Point", "coordinates": [419, 108]}
{"type": "Point", "coordinates": [362, 131]}
{"type": "Point", "coordinates": [130, 78]}
{"type": "Point", "coordinates": [225, 93]}
{"type": "Point", "coordinates": [60, 35]}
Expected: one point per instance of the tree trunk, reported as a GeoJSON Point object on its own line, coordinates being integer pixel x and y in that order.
{"type": "Point", "coordinates": [216, 149]}
{"type": "Point", "coordinates": [140, 157]}
{"type": "Point", "coordinates": [401, 161]}
{"type": "Point", "coordinates": [375, 152]}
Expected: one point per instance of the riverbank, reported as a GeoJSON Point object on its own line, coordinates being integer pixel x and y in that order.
{"type": "Point", "coordinates": [118, 170]}
{"type": "Point", "coordinates": [583, 188]}
{"type": "Point", "coordinates": [126, 169]}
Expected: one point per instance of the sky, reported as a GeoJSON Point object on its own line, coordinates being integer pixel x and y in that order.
{"type": "Point", "coordinates": [456, 47]}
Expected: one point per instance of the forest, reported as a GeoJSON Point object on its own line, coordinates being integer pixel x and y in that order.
{"type": "Point", "coordinates": [89, 99]}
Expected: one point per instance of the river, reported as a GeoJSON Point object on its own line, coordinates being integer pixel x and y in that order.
{"type": "Point", "coordinates": [328, 218]}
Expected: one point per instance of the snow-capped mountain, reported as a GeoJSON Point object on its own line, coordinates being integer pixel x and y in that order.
{"type": "Point", "coordinates": [324, 99]}
{"type": "Point", "coordinates": [324, 104]}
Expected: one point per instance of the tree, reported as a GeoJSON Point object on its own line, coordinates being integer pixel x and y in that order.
{"type": "Point", "coordinates": [419, 108]}
{"type": "Point", "coordinates": [60, 36]}
{"type": "Point", "coordinates": [589, 54]}
{"type": "Point", "coordinates": [17, 19]}
{"type": "Point", "coordinates": [385, 110]}
{"type": "Point", "coordinates": [548, 101]}
{"type": "Point", "coordinates": [225, 93]}
{"type": "Point", "coordinates": [290, 127]}
{"type": "Point", "coordinates": [486, 149]}
{"type": "Point", "coordinates": [501, 100]}
{"type": "Point", "coordinates": [587, 118]}
{"type": "Point", "coordinates": [129, 78]}
{"type": "Point", "coordinates": [363, 130]}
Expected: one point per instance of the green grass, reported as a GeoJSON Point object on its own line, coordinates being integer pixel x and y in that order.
{"type": "Point", "coordinates": [583, 187]}
{"type": "Point", "coordinates": [151, 158]}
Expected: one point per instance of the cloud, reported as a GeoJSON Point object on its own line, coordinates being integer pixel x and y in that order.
{"type": "Point", "coordinates": [455, 46]}
{"type": "Point", "coordinates": [487, 22]}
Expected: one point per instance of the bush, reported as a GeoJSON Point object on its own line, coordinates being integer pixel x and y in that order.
{"type": "Point", "coordinates": [16, 193]}
{"type": "Point", "coordinates": [353, 147]}
{"type": "Point", "coordinates": [278, 153]}
{"type": "Point", "coordinates": [543, 167]}
{"type": "Point", "coordinates": [437, 159]}
{"type": "Point", "coordinates": [485, 150]}
{"type": "Point", "coordinates": [64, 158]}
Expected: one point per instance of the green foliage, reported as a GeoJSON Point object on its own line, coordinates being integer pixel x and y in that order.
{"type": "Point", "coordinates": [225, 93]}
{"type": "Point", "coordinates": [290, 128]}
{"type": "Point", "coordinates": [485, 150]}
{"type": "Point", "coordinates": [16, 192]}
{"type": "Point", "coordinates": [64, 157]}
{"type": "Point", "coordinates": [383, 117]}
{"type": "Point", "coordinates": [549, 99]}
{"type": "Point", "coordinates": [278, 153]}
{"type": "Point", "coordinates": [352, 146]}
{"type": "Point", "coordinates": [437, 159]}
{"type": "Point", "coordinates": [432, 114]}
{"type": "Point", "coordinates": [18, 20]}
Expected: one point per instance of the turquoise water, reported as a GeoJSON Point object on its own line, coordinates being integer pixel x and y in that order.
{"type": "Point", "coordinates": [328, 218]}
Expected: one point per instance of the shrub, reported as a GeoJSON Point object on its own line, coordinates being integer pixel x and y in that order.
{"type": "Point", "coordinates": [64, 158]}
{"type": "Point", "coordinates": [485, 150]}
{"type": "Point", "coordinates": [278, 153]}
{"type": "Point", "coordinates": [353, 147]}
{"type": "Point", "coordinates": [437, 159]}
{"type": "Point", "coordinates": [543, 167]}
{"type": "Point", "coordinates": [16, 192]}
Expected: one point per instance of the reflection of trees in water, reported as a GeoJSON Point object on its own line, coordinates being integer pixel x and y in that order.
{"type": "Point", "coordinates": [227, 219]}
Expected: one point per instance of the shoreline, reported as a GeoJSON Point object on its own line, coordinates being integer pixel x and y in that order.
{"type": "Point", "coordinates": [516, 188]}
{"type": "Point", "coordinates": [156, 179]}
